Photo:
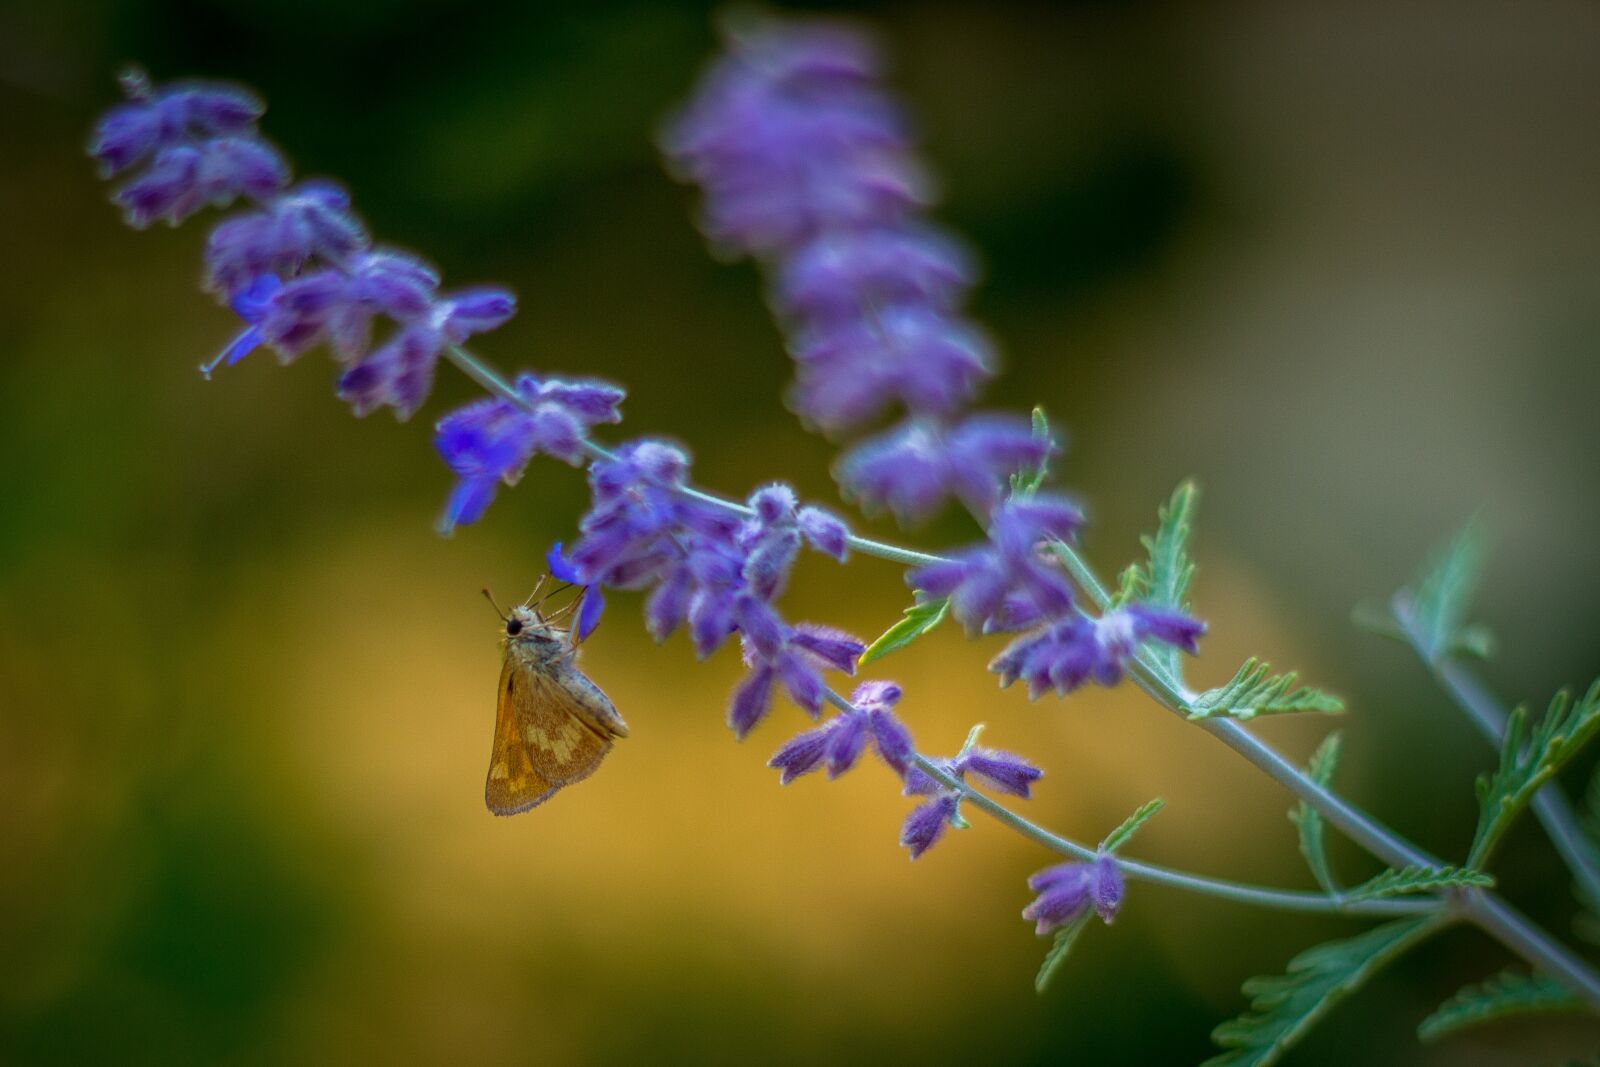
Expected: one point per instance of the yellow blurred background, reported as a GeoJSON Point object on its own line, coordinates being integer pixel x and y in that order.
{"type": "Point", "coordinates": [1338, 263]}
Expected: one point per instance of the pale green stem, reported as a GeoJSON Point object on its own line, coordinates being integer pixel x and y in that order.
{"type": "Point", "coordinates": [1550, 804]}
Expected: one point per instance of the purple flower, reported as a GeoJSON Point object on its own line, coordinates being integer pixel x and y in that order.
{"type": "Point", "coordinates": [399, 373]}
{"type": "Point", "coordinates": [592, 600]}
{"type": "Point", "coordinates": [311, 221]}
{"type": "Point", "coordinates": [1068, 890]}
{"type": "Point", "coordinates": [807, 166]}
{"type": "Point", "coordinates": [913, 469]}
{"type": "Point", "coordinates": [926, 823]}
{"type": "Point", "coordinates": [824, 532]}
{"type": "Point", "coordinates": [830, 278]}
{"type": "Point", "coordinates": [797, 662]}
{"type": "Point", "coordinates": [790, 137]}
{"type": "Point", "coordinates": [1003, 583]}
{"type": "Point", "coordinates": [338, 305]}
{"type": "Point", "coordinates": [491, 441]}
{"type": "Point", "coordinates": [154, 119]}
{"type": "Point", "coordinates": [1003, 771]}
{"type": "Point", "coordinates": [840, 741]}
{"type": "Point", "coordinates": [184, 178]}
{"type": "Point", "coordinates": [1064, 655]}
{"type": "Point", "coordinates": [250, 304]}
{"type": "Point", "coordinates": [850, 370]}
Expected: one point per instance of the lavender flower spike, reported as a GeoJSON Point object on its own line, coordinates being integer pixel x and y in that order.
{"type": "Point", "coordinates": [807, 165]}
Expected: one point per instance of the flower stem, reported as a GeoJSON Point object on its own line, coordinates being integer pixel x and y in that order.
{"type": "Point", "coordinates": [1550, 804]}
{"type": "Point", "coordinates": [1491, 913]}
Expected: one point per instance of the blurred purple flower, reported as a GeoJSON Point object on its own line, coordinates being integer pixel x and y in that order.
{"type": "Point", "coordinates": [806, 164]}
{"type": "Point", "coordinates": [310, 221]}
{"type": "Point", "coordinates": [1068, 890]}
{"type": "Point", "coordinates": [153, 119]}
{"type": "Point", "coordinates": [914, 468]}
{"type": "Point", "coordinates": [338, 305]}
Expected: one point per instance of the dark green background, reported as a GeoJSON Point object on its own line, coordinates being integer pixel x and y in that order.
{"type": "Point", "coordinates": [1340, 265]}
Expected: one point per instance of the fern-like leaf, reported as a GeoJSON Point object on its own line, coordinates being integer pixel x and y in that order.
{"type": "Point", "coordinates": [1058, 951]}
{"type": "Point", "coordinates": [1308, 820]}
{"type": "Point", "coordinates": [1027, 482]}
{"type": "Point", "coordinates": [1507, 993]}
{"type": "Point", "coordinates": [920, 618]}
{"type": "Point", "coordinates": [1130, 826]}
{"type": "Point", "coordinates": [1527, 761]}
{"type": "Point", "coordinates": [1255, 690]}
{"type": "Point", "coordinates": [1433, 614]}
{"type": "Point", "coordinates": [1163, 579]}
{"type": "Point", "coordinates": [1394, 883]}
{"type": "Point", "coordinates": [1284, 1008]}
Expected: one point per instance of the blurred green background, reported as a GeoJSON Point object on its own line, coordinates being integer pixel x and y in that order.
{"type": "Point", "coordinates": [1338, 262]}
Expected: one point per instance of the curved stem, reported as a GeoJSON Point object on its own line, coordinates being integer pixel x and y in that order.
{"type": "Point", "coordinates": [493, 381]}
{"type": "Point", "coordinates": [1496, 917]}
{"type": "Point", "coordinates": [1550, 804]}
{"type": "Point", "coordinates": [1242, 892]}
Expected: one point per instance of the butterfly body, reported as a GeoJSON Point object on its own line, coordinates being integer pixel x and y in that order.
{"type": "Point", "coordinates": [553, 725]}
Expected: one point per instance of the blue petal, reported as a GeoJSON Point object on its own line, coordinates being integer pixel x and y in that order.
{"type": "Point", "coordinates": [560, 568]}
{"type": "Point", "coordinates": [589, 614]}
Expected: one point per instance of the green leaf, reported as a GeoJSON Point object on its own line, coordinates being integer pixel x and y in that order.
{"type": "Point", "coordinates": [1528, 761]}
{"type": "Point", "coordinates": [920, 618]}
{"type": "Point", "coordinates": [1507, 993]}
{"type": "Point", "coordinates": [1394, 883]}
{"type": "Point", "coordinates": [1255, 690]}
{"type": "Point", "coordinates": [1027, 482]}
{"type": "Point", "coordinates": [1163, 580]}
{"type": "Point", "coordinates": [1058, 951]}
{"type": "Point", "coordinates": [1130, 826]}
{"type": "Point", "coordinates": [1438, 605]}
{"type": "Point", "coordinates": [1285, 1008]}
{"type": "Point", "coordinates": [1308, 820]}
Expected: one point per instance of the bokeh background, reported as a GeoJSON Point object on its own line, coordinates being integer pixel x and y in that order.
{"type": "Point", "coordinates": [1337, 261]}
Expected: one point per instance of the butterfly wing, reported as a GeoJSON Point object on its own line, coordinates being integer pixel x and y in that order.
{"type": "Point", "coordinates": [543, 739]}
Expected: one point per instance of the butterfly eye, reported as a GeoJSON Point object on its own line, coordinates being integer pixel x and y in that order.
{"type": "Point", "coordinates": [513, 627]}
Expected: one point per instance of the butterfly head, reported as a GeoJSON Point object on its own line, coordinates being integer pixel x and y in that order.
{"type": "Point", "coordinates": [524, 625]}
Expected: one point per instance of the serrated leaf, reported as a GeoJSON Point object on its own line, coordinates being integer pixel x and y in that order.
{"type": "Point", "coordinates": [1255, 690]}
{"type": "Point", "coordinates": [1130, 826]}
{"type": "Point", "coordinates": [1308, 820]}
{"type": "Point", "coordinates": [1438, 605]}
{"type": "Point", "coordinates": [920, 618]}
{"type": "Point", "coordinates": [1505, 994]}
{"type": "Point", "coordinates": [1058, 952]}
{"type": "Point", "coordinates": [1163, 579]}
{"type": "Point", "coordinates": [1416, 879]}
{"type": "Point", "coordinates": [1284, 1008]}
{"type": "Point", "coordinates": [1528, 761]}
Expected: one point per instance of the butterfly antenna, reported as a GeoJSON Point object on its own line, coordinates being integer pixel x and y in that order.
{"type": "Point", "coordinates": [490, 598]}
{"type": "Point", "coordinates": [536, 587]}
{"type": "Point", "coordinates": [569, 607]}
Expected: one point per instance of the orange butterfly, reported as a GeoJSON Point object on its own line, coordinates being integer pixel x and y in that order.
{"type": "Point", "coordinates": [552, 725]}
